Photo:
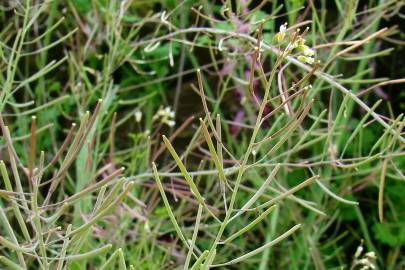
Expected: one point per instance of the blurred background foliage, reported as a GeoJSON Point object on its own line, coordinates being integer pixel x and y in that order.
{"type": "Point", "coordinates": [78, 51]}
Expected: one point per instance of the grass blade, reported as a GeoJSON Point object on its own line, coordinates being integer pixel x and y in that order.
{"type": "Point", "coordinates": [188, 178]}
{"type": "Point", "coordinates": [250, 225]}
{"type": "Point", "coordinates": [167, 205]}
{"type": "Point", "coordinates": [194, 237]}
{"type": "Point", "coordinates": [381, 191]}
{"type": "Point", "coordinates": [262, 248]}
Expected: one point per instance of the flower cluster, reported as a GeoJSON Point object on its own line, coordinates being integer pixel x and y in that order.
{"type": "Point", "coordinates": [366, 261]}
{"type": "Point", "coordinates": [166, 116]}
{"type": "Point", "coordinates": [306, 54]}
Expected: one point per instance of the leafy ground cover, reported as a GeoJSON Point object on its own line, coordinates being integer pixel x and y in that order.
{"type": "Point", "coordinates": [201, 134]}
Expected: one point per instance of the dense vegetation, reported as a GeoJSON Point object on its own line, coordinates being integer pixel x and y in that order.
{"type": "Point", "coordinates": [180, 134]}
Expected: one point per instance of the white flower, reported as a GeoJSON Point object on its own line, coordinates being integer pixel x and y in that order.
{"type": "Point", "coordinates": [371, 255]}
{"type": "Point", "coordinates": [169, 112]}
{"type": "Point", "coordinates": [283, 28]}
{"type": "Point", "coordinates": [363, 262]}
{"type": "Point", "coordinates": [171, 123]}
{"type": "Point", "coordinates": [307, 51]}
{"type": "Point", "coordinates": [166, 116]}
{"type": "Point", "coordinates": [367, 261]}
{"type": "Point", "coordinates": [138, 116]}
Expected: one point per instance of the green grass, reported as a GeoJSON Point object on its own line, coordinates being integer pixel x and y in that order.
{"type": "Point", "coordinates": [199, 135]}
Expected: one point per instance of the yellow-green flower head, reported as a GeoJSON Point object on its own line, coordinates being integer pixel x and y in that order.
{"type": "Point", "coordinates": [306, 59]}
{"type": "Point", "coordinates": [307, 51]}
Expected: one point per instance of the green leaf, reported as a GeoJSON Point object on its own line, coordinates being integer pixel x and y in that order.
{"type": "Point", "coordinates": [392, 234]}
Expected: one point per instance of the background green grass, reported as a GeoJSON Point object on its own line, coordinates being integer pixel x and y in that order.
{"type": "Point", "coordinates": [72, 207]}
